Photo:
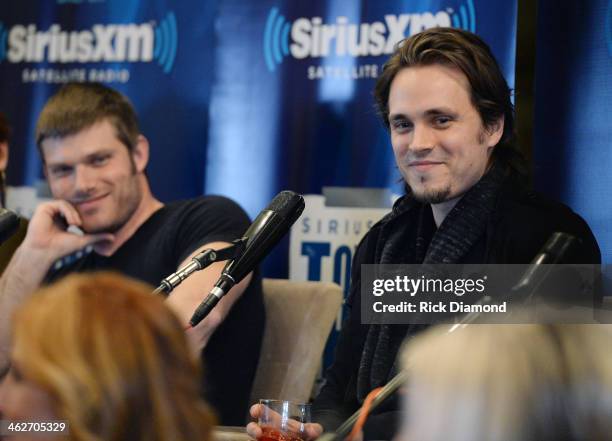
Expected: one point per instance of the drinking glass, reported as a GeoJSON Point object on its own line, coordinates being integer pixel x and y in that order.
{"type": "Point", "coordinates": [283, 420]}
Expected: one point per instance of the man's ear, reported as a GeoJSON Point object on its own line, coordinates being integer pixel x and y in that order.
{"type": "Point", "coordinates": [4, 155]}
{"type": "Point", "coordinates": [494, 132]}
{"type": "Point", "coordinates": [140, 154]}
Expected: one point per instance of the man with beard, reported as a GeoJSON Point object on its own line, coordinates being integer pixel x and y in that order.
{"type": "Point", "coordinates": [104, 217]}
{"type": "Point", "coordinates": [447, 106]}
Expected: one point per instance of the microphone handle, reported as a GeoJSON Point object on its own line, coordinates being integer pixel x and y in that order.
{"type": "Point", "coordinates": [219, 290]}
{"type": "Point", "coordinates": [203, 310]}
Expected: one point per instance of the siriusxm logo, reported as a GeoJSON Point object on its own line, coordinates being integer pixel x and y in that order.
{"type": "Point", "coordinates": [310, 37]}
{"type": "Point", "coordinates": [102, 43]}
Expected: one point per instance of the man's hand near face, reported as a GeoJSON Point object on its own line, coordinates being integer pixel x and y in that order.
{"type": "Point", "coordinates": [47, 234]}
{"type": "Point", "coordinates": [46, 241]}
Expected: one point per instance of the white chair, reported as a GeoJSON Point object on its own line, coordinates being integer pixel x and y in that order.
{"type": "Point", "coordinates": [299, 317]}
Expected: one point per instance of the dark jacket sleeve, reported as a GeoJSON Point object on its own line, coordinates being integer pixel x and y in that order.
{"type": "Point", "coordinates": [338, 397]}
{"type": "Point", "coordinates": [337, 400]}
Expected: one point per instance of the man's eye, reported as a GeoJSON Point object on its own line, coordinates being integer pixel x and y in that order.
{"type": "Point", "coordinates": [100, 160]}
{"type": "Point", "coordinates": [401, 125]}
{"type": "Point", "coordinates": [442, 120]}
{"type": "Point", "coordinates": [61, 171]}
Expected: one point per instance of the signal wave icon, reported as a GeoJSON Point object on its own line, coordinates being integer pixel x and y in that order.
{"type": "Point", "coordinates": [3, 36]}
{"type": "Point", "coordinates": [166, 40]}
{"type": "Point", "coordinates": [466, 17]}
{"type": "Point", "coordinates": [276, 39]}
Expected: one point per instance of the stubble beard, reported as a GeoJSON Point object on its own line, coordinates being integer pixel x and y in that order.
{"type": "Point", "coordinates": [116, 225]}
{"type": "Point", "coordinates": [126, 209]}
{"type": "Point", "coordinates": [430, 195]}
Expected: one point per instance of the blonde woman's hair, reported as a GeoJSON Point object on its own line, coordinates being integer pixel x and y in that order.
{"type": "Point", "coordinates": [509, 382]}
{"type": "Point", "coordinates": [114, 360]}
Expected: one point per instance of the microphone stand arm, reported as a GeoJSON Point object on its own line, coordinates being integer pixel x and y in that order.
{"type": "Point", "coordinates": [341, 432]}
{"type": "Point", "coordinates": [199, 262]}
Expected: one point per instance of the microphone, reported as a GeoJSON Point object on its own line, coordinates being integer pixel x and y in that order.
{"type": "Point", "coordinates": [9, 222]}
{"type": "Point", "coordinates": [265, 232]}
{"type": "Point", "coordinates": [557, 247]}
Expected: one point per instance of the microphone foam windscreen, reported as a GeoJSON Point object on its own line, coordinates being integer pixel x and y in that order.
{"type": "Point", "coordinates": [287, 204]}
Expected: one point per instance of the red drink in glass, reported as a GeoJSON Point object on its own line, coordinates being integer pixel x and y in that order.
{"type": "Point", "coordinates": [272, 434]}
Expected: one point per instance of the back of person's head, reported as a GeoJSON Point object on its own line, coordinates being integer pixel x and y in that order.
{"type": "Point", "coordinates": [78, 106]}
{"type": "Point", "coordinates": [113, 359]}
{"type": "Point", "coordinates": [468, 53]}
{"type": "Point", "coordinates": [509, 382]}
{"type": "Point", "coordinates": [588, 376]}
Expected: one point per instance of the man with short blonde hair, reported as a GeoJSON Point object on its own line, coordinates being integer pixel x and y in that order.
{"type": "Point", "coordinates": [94, 159]}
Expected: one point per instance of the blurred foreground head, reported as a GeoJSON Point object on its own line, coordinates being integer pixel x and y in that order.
{"type": "Point", "coordinates": [110, 358]}
{"type": "Point", "coordinates": [509, 382]}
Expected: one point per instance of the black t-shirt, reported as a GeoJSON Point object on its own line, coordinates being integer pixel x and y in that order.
{"type": "Point", "coordinates": [155, 251]}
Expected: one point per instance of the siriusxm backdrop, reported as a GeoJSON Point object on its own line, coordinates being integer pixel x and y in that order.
{"type": "Point", "coordinates": [573, 125]}
{"type": "Point", "coordinates": [237, 97]}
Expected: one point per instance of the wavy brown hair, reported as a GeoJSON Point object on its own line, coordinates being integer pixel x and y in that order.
{"type": "Point", "coordinates": [468, 53]}
{"type": "Point", "coordinates": [114, 360]}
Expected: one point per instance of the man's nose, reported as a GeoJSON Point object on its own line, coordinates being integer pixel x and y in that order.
{"type": "Point", "coordinates": [423, 139]}
{"type": "Point", "coordinates": [84, 179]}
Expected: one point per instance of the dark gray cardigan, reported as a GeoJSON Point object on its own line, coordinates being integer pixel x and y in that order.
{"type": "Point", "coordinates": [518, 228]}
